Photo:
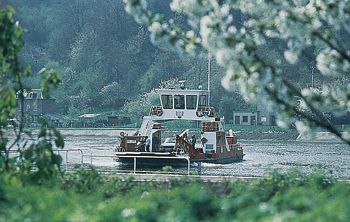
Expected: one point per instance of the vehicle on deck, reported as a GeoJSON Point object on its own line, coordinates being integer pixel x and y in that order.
{"type": "Point", "coordinates": [169, 145]}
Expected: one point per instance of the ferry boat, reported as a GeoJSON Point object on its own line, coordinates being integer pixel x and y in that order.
{"type": "Point", "coordinates": [213, 146]}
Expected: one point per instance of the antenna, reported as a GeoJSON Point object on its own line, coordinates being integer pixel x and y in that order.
{"type": "Point", "coordinates": [208, 77]}
{"type": "Point", "coordinates": [312, 76]}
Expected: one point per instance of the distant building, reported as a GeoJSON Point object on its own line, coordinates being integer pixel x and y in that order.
{"type": "Point", "coordinates": [260, 116]}
{"type": "Point", "coordinates": [115, 121]}
{"type": "Point", "coordinates": [35, 106]}
{"type": "Point", "coordinates": [245, 117]}
{"type": "Point", "coordinates": [88, 116]}
{"type": "Point", "coordinates": [89, 120]}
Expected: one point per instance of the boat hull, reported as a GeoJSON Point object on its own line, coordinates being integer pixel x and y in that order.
{"type": "Point", "coordinates": [156, 161]}
{"type": "Point", "coordinates": [153, 163]}
{"type": "Point", "coordinates": [152, 159]}
{"type": "Point", "coordinates": [223, 160]}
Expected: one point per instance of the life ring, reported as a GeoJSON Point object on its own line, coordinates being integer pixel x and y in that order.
{"type": "Point", "coordinates": [122, 149]}
{"type": "Point", "coordinates": [121, 133]}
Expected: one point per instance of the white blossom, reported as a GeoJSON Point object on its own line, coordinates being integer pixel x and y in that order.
{"type": "Point", "coordinates": [155, 27]}
{"type": "Point", "coordinates": [232, 30]}
{"type": "Point", "coordinates": [299, 23]}
{"type": "Point", "coordinates": [304, 129]}
{"type": "Point", "coordinates": [291, 57]}
{"type": "Point", "coordinates": [128, 212]}
{"type": "Point", "coordinates": [226, 81]}
{"type": "Point", "coordinates": [240, 47]}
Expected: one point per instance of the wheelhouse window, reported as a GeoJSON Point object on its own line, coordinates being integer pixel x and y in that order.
{"type": "Point", "coordinates": [191, 101]}
{"type": "Point", "coordinates": [179, 101]}
{"type": "Point", "coordinates": [202, 100]}
{"type": "Point", "coordinates": [167, 101]}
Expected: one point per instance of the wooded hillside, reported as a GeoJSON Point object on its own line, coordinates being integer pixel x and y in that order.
{"type": "Point", "coordinates": [105, 58]}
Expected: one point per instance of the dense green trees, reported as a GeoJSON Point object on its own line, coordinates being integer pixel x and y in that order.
{"type": "Point", "coordinates": [104, 57]}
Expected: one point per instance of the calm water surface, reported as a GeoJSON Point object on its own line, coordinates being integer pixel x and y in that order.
{"type": "Point", "coordinates": [260, 156]}
{"type": "Point", "coordinates": [264, 156]}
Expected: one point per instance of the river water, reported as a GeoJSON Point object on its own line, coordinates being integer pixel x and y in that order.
{"type": "Point", "coordinates": [260, 156]}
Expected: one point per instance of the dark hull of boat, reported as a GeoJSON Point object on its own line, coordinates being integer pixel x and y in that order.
{"type": "Point", "coordinates": [174, 161]}
{"type": "Point", "coordinates": [153, 163]}
{"type": "Point", "coordinates": [224, 160]}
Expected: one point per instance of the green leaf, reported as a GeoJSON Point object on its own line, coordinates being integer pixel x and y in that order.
{"type": "Point", "coordinates": [42, 133]}
{"type": "Point", "coordinates": [2, 146]}
{"type": "Point", "coordinates": [56, 159]}
{"type": "Point", "coordinates": [10, 9]}
{"type": "Point", "coordinates": [42, 121]}
{"type": "Point", "coordinates": [59, 139]}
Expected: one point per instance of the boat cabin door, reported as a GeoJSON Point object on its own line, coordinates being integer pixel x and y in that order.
{"type": "Point", "coordinates": [156, 141]}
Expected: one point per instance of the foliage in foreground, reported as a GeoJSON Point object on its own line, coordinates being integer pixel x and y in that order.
{"type": "Point", "coordinates": [87, 196]}
{"type": "Point", "coordinates": [32, 152]}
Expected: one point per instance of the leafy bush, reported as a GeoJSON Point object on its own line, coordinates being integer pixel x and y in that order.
{"type": "Point", "coordinates": [36, 161]}
{"type": "Point", "coordinates": [167, 169]}
{"type": "Point", "coordinates": [93, 197]}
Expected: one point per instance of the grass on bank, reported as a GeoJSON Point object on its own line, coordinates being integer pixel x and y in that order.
{"type": "Point", "coordinates": [88, 196]}
{"type": "Point", "coordinates": [189, 125]}
{"type": "Point", "coordinates": [196, 126]}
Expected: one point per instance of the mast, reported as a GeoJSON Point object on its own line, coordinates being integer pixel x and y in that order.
{"type": "Point", "coordinates": [208, 71]}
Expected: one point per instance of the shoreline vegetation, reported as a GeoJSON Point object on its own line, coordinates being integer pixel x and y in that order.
{"type": "Point", "coordinates": [244, 133]}
{"type": "Point", "coordinates": [247, 133]}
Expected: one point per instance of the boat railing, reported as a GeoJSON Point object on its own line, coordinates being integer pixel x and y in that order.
{"type": "Point", "coordinates": [204, 110]}
{"type": "Point", "coordinates": [236, 146]}
{"type": "Point", "coordinates": [210, 126]}
{"type": "Point", "coordinates": [65, 152]}
{"type": "Point", "coordinates": [201, 111]}
{"type": "Point", "coordinates": [59, 151]}
{"type": "Point", "coordinates": [156, 111]}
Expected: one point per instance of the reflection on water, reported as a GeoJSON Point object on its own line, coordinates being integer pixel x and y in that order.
{"type": "Point", "coordinates": [260, 156]}
{"type": "Point", "coordinates": [263, 156]}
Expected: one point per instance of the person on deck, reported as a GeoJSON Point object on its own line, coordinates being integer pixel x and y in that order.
{"type": "Point", "coordinates": [148, 143]}
{"type": "Point", "coordinates": [193, 141]}
{"type": "Point", "coordinates": [142, 145]}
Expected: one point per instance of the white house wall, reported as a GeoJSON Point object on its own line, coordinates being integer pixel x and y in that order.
{"type": "Point", "coordinates": [245, 118]}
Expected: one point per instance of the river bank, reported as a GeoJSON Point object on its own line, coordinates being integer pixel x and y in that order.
{"type": "Point", "coordinates": [271, 136]}
{"type": "Point", "coordinates": [247, 135]}
{"type": "Point", "coordinates": [241, 135]}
